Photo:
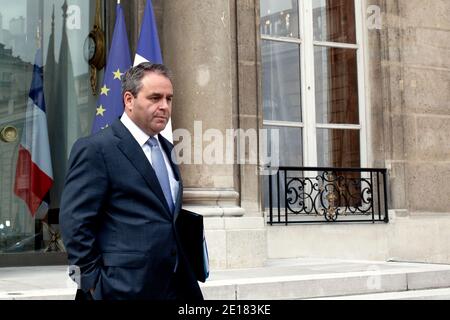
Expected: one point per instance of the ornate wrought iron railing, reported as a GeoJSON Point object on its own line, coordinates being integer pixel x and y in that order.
{"type": "Point", "coordinates": [329, 195]}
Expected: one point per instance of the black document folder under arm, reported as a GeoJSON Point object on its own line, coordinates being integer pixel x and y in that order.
{"type": "Point", "coordinates": [191, 230]}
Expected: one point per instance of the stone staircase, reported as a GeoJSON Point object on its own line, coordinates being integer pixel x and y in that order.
{"type": "Point", "coordinates": [325, 279]}
{"type": "Point", "coordinates": [287, 279]}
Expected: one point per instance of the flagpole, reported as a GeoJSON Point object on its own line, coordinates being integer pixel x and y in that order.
{"type": "Point", "coordinates": [38, 34]}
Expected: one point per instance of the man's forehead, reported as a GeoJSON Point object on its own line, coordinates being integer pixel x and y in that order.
{"type": "Point", "coordinates": [156, 76]}
{"type": "Point", "coordinates": [160, 93]}
{"type": "Point", "coordinates": [157, 81]}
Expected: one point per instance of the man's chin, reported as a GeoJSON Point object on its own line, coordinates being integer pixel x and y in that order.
{"type": "Point", "coordinates": [160, 127]}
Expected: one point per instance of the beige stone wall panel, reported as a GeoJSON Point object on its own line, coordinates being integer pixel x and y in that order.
{"type": "Point", "coordinates": [427, 186]}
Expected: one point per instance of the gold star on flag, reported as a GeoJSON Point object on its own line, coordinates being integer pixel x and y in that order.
{"type": "Point", "coordinates": [100, 111]}
{"type": "Point", "coordinates": [105, 90]}
{"type": "Point", "coordinates": [117, 74]}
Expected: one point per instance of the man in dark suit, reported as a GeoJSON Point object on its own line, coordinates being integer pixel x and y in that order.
{"type": "Point", "coordinates": [121, 199]}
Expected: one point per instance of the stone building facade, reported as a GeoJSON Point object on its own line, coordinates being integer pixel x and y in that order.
{"type": "Point", "coordinates": [402, 49]}
{"type": "Point", "coordinates": [407, 94]}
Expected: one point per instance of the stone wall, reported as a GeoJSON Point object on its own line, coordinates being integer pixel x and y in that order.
{"type": "Point", "coordinates": [409, 63]}
{"type": "Point", "coordinates": [408, 95]}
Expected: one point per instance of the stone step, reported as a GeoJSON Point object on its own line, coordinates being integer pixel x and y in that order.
{"type": "Point", "coordinates": [279, 279]}
{"type": "Point", "coordinates": [431, 294]}
{"type": "Point", "coordinates": [305, 279]}
{"type": "Point", "coordinates": [42, 294]}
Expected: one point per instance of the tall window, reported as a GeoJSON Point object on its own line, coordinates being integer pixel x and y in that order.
{"type": "Point", "coordinates": [313, 81]}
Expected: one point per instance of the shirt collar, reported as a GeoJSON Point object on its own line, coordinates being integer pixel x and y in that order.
{"type": "Point", "coordinates": [140, 136]}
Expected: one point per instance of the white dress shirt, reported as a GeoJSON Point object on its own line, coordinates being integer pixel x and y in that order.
{"type": "Point", "coordinates": [142, 138]}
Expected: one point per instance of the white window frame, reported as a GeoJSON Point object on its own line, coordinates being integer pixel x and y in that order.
{"type": "Point", "coordinates": [309, 125]}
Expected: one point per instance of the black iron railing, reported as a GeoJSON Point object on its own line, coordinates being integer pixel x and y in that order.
{"type": "Point", "coordinates": [315, 195]}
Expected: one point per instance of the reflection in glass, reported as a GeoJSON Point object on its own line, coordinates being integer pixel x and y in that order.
{"type": "Point", "coordinates": [62, 27]}
{"type": "Point", "coordinates": [291, 155]}
{"type": "Point", "coordinates": [281, 81]}
{"type": "Point", "coordinates": [338, 148]}
{"type": "Point", "coordinates": [334, 21]}
{"type": "Point", "coordinates": [336, 85]}
{"type": "Point", "coordinates": [279, 18]}
{"type": "Point", "coordinates": [291, 145]}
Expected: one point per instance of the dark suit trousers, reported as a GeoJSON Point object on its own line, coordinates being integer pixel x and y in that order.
{"type": "Point", "coordinates": [83, 296]}
{"type": "Point", "coordinates": [179, 288]}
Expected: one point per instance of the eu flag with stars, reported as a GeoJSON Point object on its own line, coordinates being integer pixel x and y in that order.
{"type": "Point", "coordinates": [110, 103]}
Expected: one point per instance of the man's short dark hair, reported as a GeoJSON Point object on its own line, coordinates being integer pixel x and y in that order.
{"type": "Point", "coordinates": [132, 80]}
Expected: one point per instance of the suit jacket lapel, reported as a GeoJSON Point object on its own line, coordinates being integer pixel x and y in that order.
{"type": "Point", "coordinates": [133, 151]}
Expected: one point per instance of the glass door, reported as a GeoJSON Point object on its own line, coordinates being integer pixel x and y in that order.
{"type": "Point", "coordinates": [46, 103]}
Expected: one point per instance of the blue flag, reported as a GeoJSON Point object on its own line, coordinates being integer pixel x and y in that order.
{"type": "Point", "coordinates": [110, 103]}
{"type": "Point", "coordinates": [148, 48]}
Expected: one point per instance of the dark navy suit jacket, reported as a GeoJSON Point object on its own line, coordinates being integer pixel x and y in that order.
{"type": "Point", "coordinates": [115, 222]}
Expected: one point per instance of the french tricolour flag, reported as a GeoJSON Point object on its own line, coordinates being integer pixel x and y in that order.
{"type": "Point", "coordinates": [149, 50]}
{"type": "Point", "coordinates": [34, 176]}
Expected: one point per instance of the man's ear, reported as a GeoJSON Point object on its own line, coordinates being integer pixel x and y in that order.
{"type": "Point", "coordinates": [128, 100]}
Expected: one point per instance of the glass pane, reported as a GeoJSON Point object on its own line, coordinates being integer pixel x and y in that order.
{"type": "Point", "coordinates": [334, 20]}
{"type": "Point", "coordinates": [26, 28]}
{"type": "Point", "coordinates": [279, 18]}
{"type": "Point", "coordinates": [336, 85]}
{"type": "Point", "coordinates": [290, 146]}
{"type": "Point", "coordinates": [338, 148]}
{"type": "Point", "coordinates": [281, 81]}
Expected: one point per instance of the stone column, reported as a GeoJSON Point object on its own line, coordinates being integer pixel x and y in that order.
{"type": "Point", "coordinates": [200, 47]}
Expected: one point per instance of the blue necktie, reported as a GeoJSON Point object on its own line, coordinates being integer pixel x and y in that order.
{"type": "Point", "coordinates": [159, 165]}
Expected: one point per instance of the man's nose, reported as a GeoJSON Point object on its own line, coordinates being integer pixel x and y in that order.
{"type": "Point", "coordinates": [165, 104]}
